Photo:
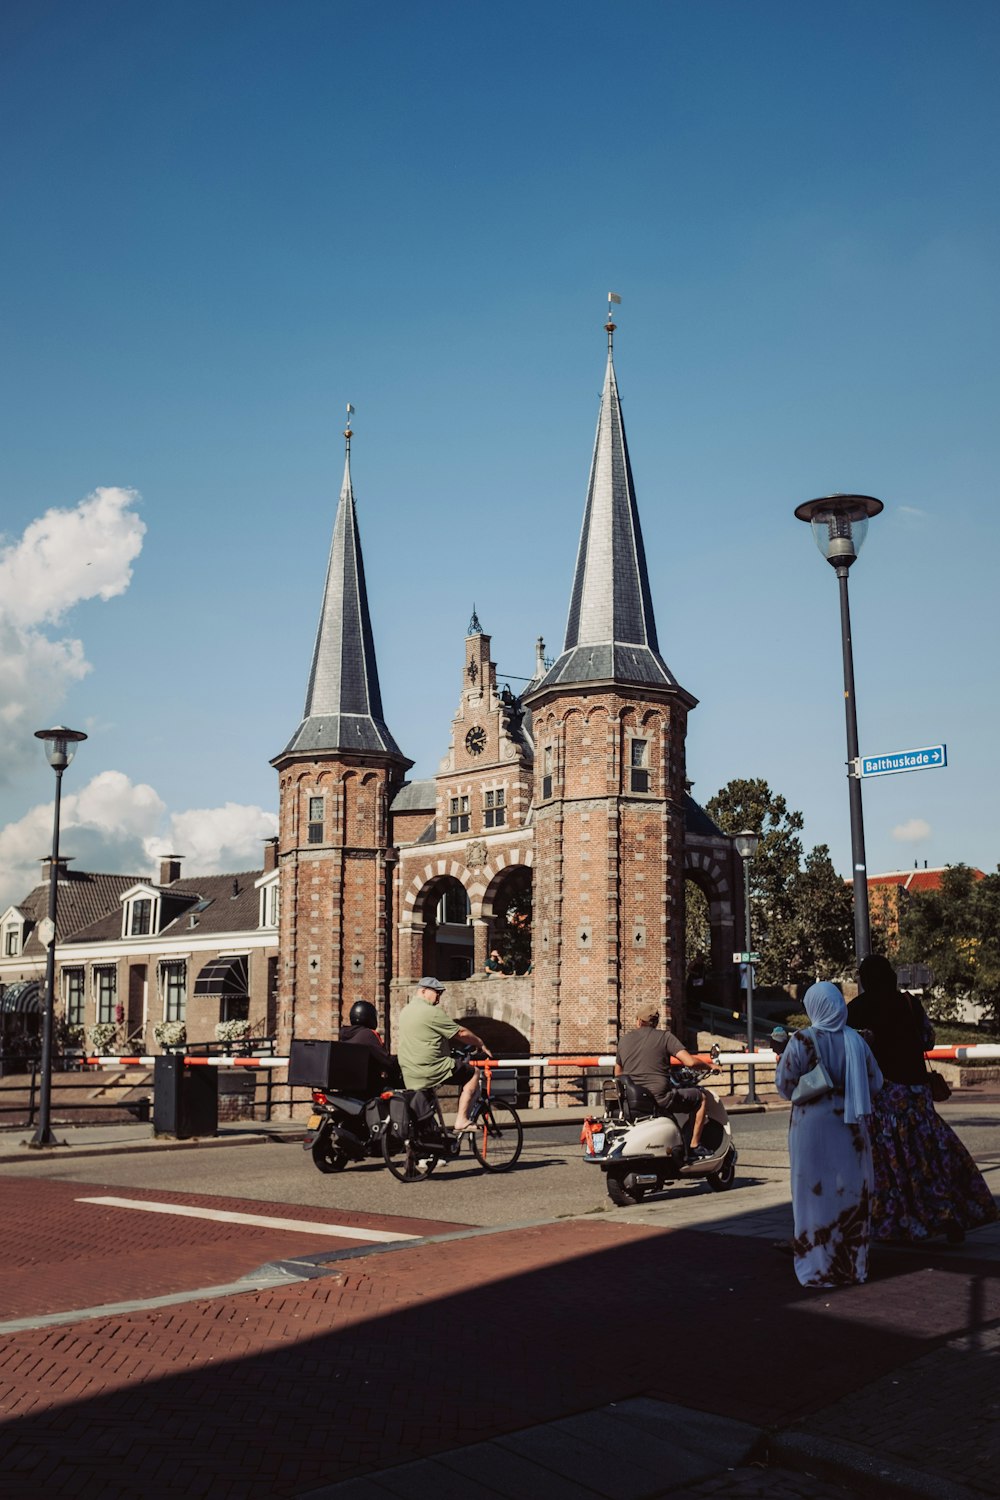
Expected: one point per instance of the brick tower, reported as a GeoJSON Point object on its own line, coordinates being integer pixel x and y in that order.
{"type": "Point", "coordinates": [609, 723]}
{"type": "Point", "coordinates": [337, 776]}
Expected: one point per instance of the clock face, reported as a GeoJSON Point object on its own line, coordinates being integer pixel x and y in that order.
{"type": "Point", "coordinates": [475, 740]}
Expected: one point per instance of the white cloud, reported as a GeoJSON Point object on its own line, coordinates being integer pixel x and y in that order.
{"type": "Point", "coordinates": [63, 558]}
{"type": "Point", "coordinates": [912, 832]}
{"type": "Point", "coordinates": [117, 826]}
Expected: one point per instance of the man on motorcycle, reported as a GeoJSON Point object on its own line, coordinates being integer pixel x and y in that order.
{"type": "Point", "coordinates": [645, 1055]}
{"type": "Point", "coordinates": [383, 1070]}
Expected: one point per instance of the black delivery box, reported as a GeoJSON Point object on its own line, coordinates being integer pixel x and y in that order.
{"type": "Point", "coordinates": [328, 1065]}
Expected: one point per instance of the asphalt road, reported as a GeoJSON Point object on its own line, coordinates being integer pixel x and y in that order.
{"type": "Point", "coordinates": [552, 1180]}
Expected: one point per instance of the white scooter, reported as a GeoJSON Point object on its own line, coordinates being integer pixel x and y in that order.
{"type": "Point", "coordinates": [639, 1148]}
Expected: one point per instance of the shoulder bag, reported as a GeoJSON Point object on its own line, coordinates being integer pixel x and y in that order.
{"type": "Point", "coordinates": [816, 1083]}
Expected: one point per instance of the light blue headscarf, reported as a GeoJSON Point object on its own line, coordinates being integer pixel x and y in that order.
{"type": "Point", "coordinates": [827, 1011]}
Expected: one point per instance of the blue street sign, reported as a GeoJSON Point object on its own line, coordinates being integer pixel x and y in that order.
{"type": "Point", "coordinates": [927, 759]}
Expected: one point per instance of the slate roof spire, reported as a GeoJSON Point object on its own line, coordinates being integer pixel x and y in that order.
{"type": "Point", "coordinates": [343, 708]}
{"type": "Point", "coordinates": [611, 630]}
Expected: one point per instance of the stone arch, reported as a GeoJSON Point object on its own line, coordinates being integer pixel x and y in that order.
{"type": "Point", "coordinates": [710, 868]}
{"type": "Point", "coordinates": [506, 909]}
{"type": "Point", "coordinates": [442, 908]}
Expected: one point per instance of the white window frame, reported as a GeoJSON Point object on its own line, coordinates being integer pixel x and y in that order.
{"type": "Point", "coordinates": [173, 1009]}
{"type": "Point", "coordinates": [105, 1001]}
{"type": "Point", "coordinates": [495, 807]}
{"type": "Point", "coordinates": [76, 972]}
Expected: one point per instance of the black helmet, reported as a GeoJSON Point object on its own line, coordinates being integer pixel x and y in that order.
{"type": "Point", "coordinates": [364, 1014]}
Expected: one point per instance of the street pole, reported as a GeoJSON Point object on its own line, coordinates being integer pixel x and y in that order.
{"type": "Point", "coordinates": [60, 747]}
{"type": "Point", "coordinates": [839, 526]}
{"type": "Point", "coordinates": [43, 1134]}
{"type": "Point", "coordinates": [862, 919]}
{"type": "Point", "coordinates": [746, 845]}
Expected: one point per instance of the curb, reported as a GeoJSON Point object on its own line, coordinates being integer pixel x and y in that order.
{"type": "Point", "coordinates": [866, 1472]}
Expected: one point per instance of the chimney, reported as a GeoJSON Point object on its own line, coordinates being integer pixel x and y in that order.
{"type": "Point", "coordinates": [170, 868]}
{"type": "Point", "coordinates": [270, 855]}
{"type": "Point", "coordinates": [62, 866]}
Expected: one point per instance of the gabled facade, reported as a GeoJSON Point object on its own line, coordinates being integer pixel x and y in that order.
{"type": "Point", "coordinates": [131, 953]}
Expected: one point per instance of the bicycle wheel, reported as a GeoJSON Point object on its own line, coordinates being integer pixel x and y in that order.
{"type": "Point", "coordinates": [407, 1160]}
{"type": "Point", "coordinates": [498, 1136]}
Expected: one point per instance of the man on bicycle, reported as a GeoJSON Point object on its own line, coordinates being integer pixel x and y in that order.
{"type": "Point", "coordinates": [424, 1050]}
{"type": "Point", "coordinates": [645, 1055]}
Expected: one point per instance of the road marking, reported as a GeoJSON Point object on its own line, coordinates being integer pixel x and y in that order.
{"type": "Point", "coordinates": [261, 1221]}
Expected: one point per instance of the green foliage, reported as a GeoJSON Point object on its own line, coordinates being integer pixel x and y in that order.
{"type": "Point", "coordinates": [956, 931]}
{"type": "Point", "coordinates": [801, 913]}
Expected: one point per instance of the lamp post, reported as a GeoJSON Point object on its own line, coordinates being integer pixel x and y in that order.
{"type": "Point", "coordinates": [839, 524]}
{"type": "Point", "coordinates": [746, 847]}
{"type": "Point", "coordinates": [60, 747]}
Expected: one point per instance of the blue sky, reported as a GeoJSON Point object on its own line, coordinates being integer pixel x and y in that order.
{"type": "Point", "coordinates": [224, 221]}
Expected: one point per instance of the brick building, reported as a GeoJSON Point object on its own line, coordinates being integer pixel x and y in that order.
{"type": "Point", "coordinates": [558, 828]}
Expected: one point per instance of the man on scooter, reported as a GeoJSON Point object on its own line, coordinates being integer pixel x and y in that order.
{"type": "Point", "coordinates": [645, 1055]}
{"type": "Point", "coordinates": [383, 1070]}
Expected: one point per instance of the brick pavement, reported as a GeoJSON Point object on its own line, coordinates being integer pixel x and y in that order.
{"type": "Point", "coordinates": [429, 1348]}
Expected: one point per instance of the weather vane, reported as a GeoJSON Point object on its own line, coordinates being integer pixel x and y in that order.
{"type": "Point", "coordinates": [347, 430]}
{"type": "Point", "coordinates": [609, 327]}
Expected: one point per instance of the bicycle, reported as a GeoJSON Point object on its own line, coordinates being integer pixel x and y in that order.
{"type": "Point", "coordinates": [413, 1146]}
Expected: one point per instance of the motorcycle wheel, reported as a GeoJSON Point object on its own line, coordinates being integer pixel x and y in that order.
{"type": "Point", "coordinates": [407, 1160]}
{"type": "Point", "coordinates": [620, 1195]}
{"type": "Point", "coordinates": [722, 1179]}
{"type": "Point", "coordinates": [327, 1156]}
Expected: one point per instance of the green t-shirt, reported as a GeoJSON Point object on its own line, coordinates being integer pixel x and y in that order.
{"type": "Point", "coordinates": [422, 1050]}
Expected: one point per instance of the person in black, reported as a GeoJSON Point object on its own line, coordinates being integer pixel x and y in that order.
{"type": "Point", "coordinates": [383, 1070]}
{"type": "Point", "coordinates": [645, 1055]}
{"type": "Point", "coordinates": [926, 1183]}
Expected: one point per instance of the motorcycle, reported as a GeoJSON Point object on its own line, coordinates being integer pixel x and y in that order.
{"type": "Point", "coordinates": [343, 1128]}
{"type": "Point", "coordinates": [639, 1149]}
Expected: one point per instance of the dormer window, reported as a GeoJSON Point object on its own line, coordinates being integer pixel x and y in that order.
{"type": "Point", "coordinates": [12, 926]}
{"type": "Point", "coordinates": [269, 900]}
{"type": "Point", "coordinates": [140, 917]}
{"type": "Point", "coordinates": [140, 911]}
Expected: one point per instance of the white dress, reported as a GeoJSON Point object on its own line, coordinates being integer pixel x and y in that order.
{"type": "Point", "coordinates": [831, 1166]}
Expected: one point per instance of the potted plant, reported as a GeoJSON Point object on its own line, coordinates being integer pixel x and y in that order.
{"type": "Point", "coordinates": [102, 1035]}
{"type": "Point", "coordinates": [170, 1034]}
{"type": "Point", "coordinates": [232, 1031]}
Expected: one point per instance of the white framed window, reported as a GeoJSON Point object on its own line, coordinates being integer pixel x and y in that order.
{"type": "Point", "coordinates": [270, 904]}
{"type": "Point", "coordinates": [74, 990]}
{"type": "Point", "coordinates": [12, 940]}
{"type": "Point", "coordinates": [547, 771]}
{"type": "Point", "coordinates": [495, 808]}
{"type": "Point", "coordinates": [638, 765]}
{"type": "Point", "coordinates": [140, 922]}
{"type": "Point", "coordinates": [315, 829]}
{"type": "Point", "coordinates": [106, 987]}
{"type": "Point", "coordinates": [173, 980]}
{"type": "Point", "coordinates": [458, 815]}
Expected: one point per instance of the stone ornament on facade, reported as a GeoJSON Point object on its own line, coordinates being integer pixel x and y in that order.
{"type": "Point", "coordinates": [476, 854]}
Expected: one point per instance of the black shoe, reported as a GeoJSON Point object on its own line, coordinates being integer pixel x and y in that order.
{"type": "Point", "coordinates": [698, 1153]}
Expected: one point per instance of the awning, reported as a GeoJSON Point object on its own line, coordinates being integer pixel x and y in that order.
{"type": "Point", "coordinates": [25, 995]}
{"type": "Point", "coordinates": [224, 976]}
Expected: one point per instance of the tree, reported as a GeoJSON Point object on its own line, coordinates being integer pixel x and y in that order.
{"type": "Point", "coordinates": [751, 806]}
{"type": "Point", "coordinates": [955, 930]}
{"type": "Point", "coordinates": [801, 914]}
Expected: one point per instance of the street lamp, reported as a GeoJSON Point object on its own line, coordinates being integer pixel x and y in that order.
{"type": "Point", "coordinates": [839, 524]}
{"type": "Point", "coordinates": [746, 847]}
{"type": "Point", "coordinates": [60, 747]}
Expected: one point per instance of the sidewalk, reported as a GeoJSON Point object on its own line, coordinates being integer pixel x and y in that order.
{"type": "Point", "coordinates": [660, 1351]}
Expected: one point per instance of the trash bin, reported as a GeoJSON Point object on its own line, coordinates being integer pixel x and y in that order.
{"type": "Point", "coordinates": [185, 1098]}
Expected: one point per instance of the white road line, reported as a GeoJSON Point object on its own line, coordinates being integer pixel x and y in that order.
{"type": "Point", "coordinates": [262, 1221]}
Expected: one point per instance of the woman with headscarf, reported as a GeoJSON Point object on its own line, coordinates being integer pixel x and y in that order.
{"type": "Point", "coordinates": [926, 1182]}
{"type": "Point", "coordinates": [829, 1145]}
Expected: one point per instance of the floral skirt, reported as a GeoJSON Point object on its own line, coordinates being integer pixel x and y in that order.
{"type": "Point", "coordinates": [925, 1181]}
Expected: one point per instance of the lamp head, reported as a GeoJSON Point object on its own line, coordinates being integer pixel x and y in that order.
{"type": "Point", "coordinates": [60, 745]}
{"type": "Point", "coordinates": [839, 524]}
{"type": "Point", "coordinates": [746, 843]}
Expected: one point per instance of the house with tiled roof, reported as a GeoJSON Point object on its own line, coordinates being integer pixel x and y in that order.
{"type": "Point", "coordinates": [887, 891]}
{"type": "Point", "coordinates": [133, 952]}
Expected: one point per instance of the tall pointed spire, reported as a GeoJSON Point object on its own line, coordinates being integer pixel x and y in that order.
{"type": "Point", "coordinates": [611, 632]}
{"type": "Point", "coordinates": [343, 701]}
